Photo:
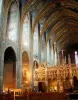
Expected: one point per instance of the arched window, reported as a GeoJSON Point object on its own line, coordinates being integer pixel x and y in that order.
{"type": "Point", "coordinates": [12, 27]}
{"type": "Point", "coordinates": [76, 58]}
{"type": "Point", "coordinates": [35, 42]}
{"type": "Point", "coordinates": [48, 51]}
{"type": "Point", "coordinates": [25, 36]}
{"type": "Point", "coordinates": [43, 49]}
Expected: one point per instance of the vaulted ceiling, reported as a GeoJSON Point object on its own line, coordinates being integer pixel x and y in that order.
{"type": "Point", "coordinates": [59, 18]}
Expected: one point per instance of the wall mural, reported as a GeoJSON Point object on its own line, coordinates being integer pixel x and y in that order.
{"type": "Point", "coordinates": [13, 22]}
{"type": "Point", "coordinates": [25, 38]}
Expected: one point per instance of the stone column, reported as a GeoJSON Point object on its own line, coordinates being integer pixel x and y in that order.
{"type": "Point", "coordinates": [45, 54]}
{"type": "Point", "coordinates": [69, 59]}
{"type": "Point", "coordinates": [19, 55]}
{"type": "Point", "coordinates": [55, 53]}
{"type": "Point", "coordinates": [1, 44]}
{"type": "Point", "coordinates": [62, 53]}
{"type": "Point", "coordinates": [18, 74]}
{"type": "Point", "coordinates": [40, 42]}
{"type": "Point", "coordinates": [1, 66]}
{"type": "Point", "coordinates": [2, 19]}
{"type": "Point", "coordinates": [31, 53]}
{"type": "Point", "coordinates": [52, 56]}
{"type": "Point", "coordinates": [58, 58]}
{"type": "Point", "coordinates": [49, 54]}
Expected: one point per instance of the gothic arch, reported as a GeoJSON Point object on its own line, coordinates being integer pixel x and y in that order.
{"type": "Point", "coordinates": [9, 68]}
{"type": "Point", "coordinates": [25, 70]}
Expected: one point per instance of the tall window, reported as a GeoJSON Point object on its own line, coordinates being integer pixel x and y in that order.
{"type": "Point", "coordinates": [48, 51]}
{"type": "Point", "coordinates": [35, 37]}
{"type": "Point", "coordinates": [25, 36]}
{"type": "Point", "coordinates": [43, 49]}
{"type": "Point", "coordinates": [76, 58]}
{"type": "Point", "coordinates": [35, 42]}
{"type": "Point", "coordinates": [13, 22]}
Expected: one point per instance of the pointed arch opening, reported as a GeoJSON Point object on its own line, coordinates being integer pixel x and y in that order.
{"type": "Point", "coordinates": [9, 68]}
{"type": "Point", "coordinates": [25, 70]}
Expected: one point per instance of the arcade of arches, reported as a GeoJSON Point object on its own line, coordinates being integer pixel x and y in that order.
{"type": "Point", "coordinates": [39, 44]}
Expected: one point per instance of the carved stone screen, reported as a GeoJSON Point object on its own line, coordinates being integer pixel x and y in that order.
{"type": "Point", "coordinates": [13, 22]}
{"type": "Point", "coordinates": [25, 37]}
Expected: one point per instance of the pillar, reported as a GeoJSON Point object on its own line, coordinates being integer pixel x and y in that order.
{"type": "Point", "coordinates": [18, 74]}
{"type": "Point", "coordinates": [1, 66]}
{"type": "Point", "coordinates": [58, 57]}
{"type": "Point", "coordinates": [45, 53]}
{"type": "Point", "coordinates": [31, 53]}
{"type": "Point", "coordinates": [69, 59]}
{"type": "Point", "coordinates": [52, 56]}
{"type": "Point", "coordinates": [55, 53]}
{"type": "Point", "coordinates": [39, 44]}
{"type": "Point", "coordinates": [1, 43]}
{"type": "Point", "coordinates": [48, 60]}
{"type": "Point", "coordinates": [19, 55]}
